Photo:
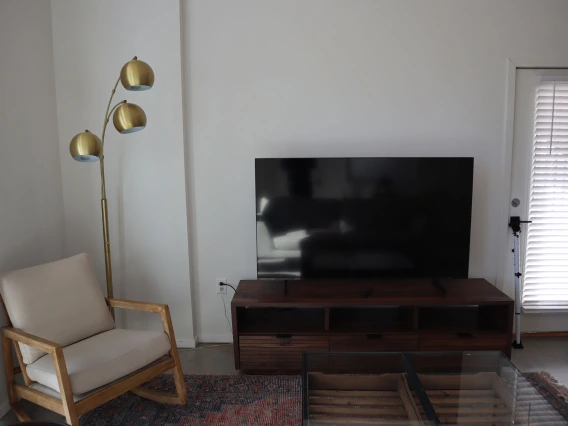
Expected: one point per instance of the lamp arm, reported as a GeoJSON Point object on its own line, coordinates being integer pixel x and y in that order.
{"type": "Point", "coordinates": [110, 100]}
{"type": "Point", "coordinates": [107, 113]}
{"type": "Point", "coordinates": [102, 159]}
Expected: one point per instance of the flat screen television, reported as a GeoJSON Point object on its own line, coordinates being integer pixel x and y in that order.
{"type": "Point", "coordinates": [363, 218]}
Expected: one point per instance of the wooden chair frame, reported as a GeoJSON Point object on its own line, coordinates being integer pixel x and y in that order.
{"type": "Point", "coordinates": [66, 406]}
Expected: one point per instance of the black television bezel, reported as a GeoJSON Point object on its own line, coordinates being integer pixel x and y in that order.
{"type": "Point", "coordinates": [356, 158]}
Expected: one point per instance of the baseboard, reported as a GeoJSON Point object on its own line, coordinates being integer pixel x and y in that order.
{"type": "Point", "coordinates": [545, 334]}
{"type": "Point", "coordinates": [216, 338]}
{"type": "Point", "coordinates": [186, 343]}
{"type": "Point", "coordinates": [4, 408]}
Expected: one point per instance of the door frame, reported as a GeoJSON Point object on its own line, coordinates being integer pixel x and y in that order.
{"type": "Point", "coordinates": [512, 65]}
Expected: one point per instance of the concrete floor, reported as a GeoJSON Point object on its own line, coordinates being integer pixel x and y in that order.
{"type": "Point", "coordinates": [539, 354]}
{"type": "Point", "coordinates": [544, 354]}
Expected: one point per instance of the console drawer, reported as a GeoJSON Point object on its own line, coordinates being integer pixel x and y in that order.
{"type": "Point", "coordinates": [278, 351]}
{"type": "Point", "coordinates": [319, 343]}
{"type": "Point", "coordinates": [464, 341]}
{"type": "Point", "coordinates": [374, 342]}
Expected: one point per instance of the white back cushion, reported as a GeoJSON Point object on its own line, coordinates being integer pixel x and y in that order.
{"type": "Point", "coordinates": [59, 301]}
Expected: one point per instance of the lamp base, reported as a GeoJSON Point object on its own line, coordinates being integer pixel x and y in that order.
{"type": "Point", "coordinates": [518, 345]}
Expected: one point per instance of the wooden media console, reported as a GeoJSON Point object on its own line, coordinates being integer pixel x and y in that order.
{"type": "Point", "coordinates": [275, 321]}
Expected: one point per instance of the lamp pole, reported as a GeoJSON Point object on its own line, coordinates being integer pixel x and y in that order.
{"type": "Point", "coordinates": [104, 204]}
{"type": "Point", "coordinates": [86, 147]}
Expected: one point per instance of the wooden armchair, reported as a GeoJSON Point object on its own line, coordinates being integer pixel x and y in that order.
{"type": "Point", "coordinates": [58, 309]}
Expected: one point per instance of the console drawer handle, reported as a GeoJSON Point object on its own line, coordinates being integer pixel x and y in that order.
{"type": "Point", "coordinates": [283, 336]}
{"type": "Point", "coordinates": [374, 336]}
{"type": "Point", "coordinates": [464, 335]}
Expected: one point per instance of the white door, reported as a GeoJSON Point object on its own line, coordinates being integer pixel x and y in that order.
{"type": "Point", "coordinates": [540, 146]}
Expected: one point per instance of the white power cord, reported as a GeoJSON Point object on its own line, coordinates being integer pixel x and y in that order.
{"type": "Point", "coordinates": [226, 317]}
{"type": "Point", "coordinates": [204, 347]}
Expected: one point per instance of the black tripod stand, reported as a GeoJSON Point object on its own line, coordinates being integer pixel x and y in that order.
{"type": "Point", "coordinates": [515, 225]}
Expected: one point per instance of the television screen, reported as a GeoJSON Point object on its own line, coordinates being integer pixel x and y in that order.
{"type": "Point", "coordinates": [363, 218]}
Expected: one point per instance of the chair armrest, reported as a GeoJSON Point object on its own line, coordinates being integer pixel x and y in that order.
{"type": "Point", "coordinates": [161, 309]}
{"type": "Point", "coordinates": [30, 340]}
{"type": "Point", "coordinates": [137, 306]}
{"type": "Point", "coordinates": [52, 348]}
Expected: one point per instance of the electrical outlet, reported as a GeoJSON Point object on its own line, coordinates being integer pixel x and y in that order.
{"type": "Point", "coordinates": [221, 289]}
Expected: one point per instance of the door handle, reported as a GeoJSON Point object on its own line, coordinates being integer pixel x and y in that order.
{"type": "Point", "coordinates": [283, 336]}
{"type": "Point", "coordinates": [464, 335]}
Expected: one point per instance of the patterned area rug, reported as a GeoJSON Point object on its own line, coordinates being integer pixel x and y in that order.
{"type": "Point", "coordinates": [554, 393]}
{"type": "Point", "coordinates": [265, 400]}
{"type": "Point", "coordinates": [213, 400]}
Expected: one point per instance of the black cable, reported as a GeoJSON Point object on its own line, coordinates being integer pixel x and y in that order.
{"type": "Point", "coordinates": [224, 307]}
{"type": "Point", "coordinates": [229, 286]}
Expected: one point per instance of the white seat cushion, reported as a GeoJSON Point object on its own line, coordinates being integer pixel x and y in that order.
{"type": "Point", "coordinates": [59, 301]}
{"type": "Point", "coordinates": [102, 359]}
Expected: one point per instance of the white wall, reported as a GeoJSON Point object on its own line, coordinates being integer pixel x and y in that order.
{"type": "Point", "coordinates": [31, 210]}
{"type": "Point", "coordinates": [346, 78]}
{"type": "Point", "coordinates": [146, 180]}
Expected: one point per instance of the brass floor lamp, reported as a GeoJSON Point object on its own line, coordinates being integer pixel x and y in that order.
{"type": "Point", "coordinates": [86, 147]}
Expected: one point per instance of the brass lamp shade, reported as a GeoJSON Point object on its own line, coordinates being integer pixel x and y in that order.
{"type": "Point", "coordinates": [86, 147]}
{"type": "Point", "coordinates": [129, 118]}
{"type": "Point", "coordinates": [137, 75]}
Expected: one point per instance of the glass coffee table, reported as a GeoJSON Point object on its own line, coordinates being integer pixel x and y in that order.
{"type": "Point", "coordinates": [419, 388]}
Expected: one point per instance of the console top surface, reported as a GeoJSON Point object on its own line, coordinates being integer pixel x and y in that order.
{"type": "Point", "coordinates": [399, 292]}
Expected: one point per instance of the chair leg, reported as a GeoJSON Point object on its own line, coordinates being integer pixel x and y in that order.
{"type": "Point", "coordinates": [20, 413]}
{"type": "Point", "coordinates": [69, 408]}
{"type": "Point", "coordinates": [72, 421]}
{"type": "Point", "coordinates": [179, 380]}
{"type": "Point", "coordinates": [11, 380]}
{"type": "Point", "coordinates": [178, 374]}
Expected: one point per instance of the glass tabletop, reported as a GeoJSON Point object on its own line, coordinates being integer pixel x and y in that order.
{"type": "Point", "coordinates": [419, 388]}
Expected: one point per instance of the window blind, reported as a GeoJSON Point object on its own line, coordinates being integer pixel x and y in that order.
{"type": "Point", "coordinates": [545, 284]}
